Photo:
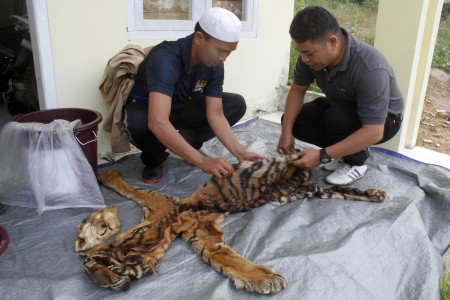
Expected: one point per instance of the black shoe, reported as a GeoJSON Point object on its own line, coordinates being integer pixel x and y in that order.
{"type": "Point", "coordinates": [152, 174]}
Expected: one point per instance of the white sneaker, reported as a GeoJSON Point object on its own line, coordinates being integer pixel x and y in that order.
{"type": "Point", "coordinates": [346, 174]}
{"type": "Point", "coordinates": [332, 165]}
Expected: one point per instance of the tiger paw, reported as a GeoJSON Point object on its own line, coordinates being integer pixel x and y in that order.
{"type": "Point", "coordinates": [376, 195]}
{"type": "Point", "coordinates": [261, 280]}
{"type": "Point", "coordinates": [106, 277]}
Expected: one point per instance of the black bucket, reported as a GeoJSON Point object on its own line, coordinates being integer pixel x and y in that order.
{"type": "Point", "coordinates": [86, 134]}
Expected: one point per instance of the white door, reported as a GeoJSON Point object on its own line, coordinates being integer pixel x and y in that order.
{"type": "Point", "coordinates": [43, 62]}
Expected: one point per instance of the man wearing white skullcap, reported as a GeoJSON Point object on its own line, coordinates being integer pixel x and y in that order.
{"type": "Point", "coordinates": [221, 24]}
{"type": "Point", "coordinates": [177, 102]}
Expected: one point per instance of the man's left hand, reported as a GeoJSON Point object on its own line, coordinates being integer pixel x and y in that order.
{"type": "Point", "coordinates": [309, 158]}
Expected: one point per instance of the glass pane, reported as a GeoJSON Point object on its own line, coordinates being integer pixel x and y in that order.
{"type": "Point", "coordinates": [167, 9]}
{"type": "Point", "coordinates": [233, 6]}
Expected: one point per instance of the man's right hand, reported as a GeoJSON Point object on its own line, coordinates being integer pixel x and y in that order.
{"type": "Point", "coordinates": [218, 167]}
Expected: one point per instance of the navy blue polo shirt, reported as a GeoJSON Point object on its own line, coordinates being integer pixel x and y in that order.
{"type": "Point", "coordinates": [363, 77]}
{"type": "Point", "coordinates": [166, 70]}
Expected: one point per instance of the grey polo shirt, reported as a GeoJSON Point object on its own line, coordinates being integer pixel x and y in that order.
{"type": "Point", "coordinates": [363, 77]}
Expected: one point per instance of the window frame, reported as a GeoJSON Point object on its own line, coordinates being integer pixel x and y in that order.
{"type": "Point", "coordinates": [141, 29]}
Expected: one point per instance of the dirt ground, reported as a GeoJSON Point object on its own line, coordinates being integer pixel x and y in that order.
{"type": "Point", "coordinates": [435, 122]}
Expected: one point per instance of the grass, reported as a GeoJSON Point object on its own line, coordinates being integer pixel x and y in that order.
{"type": "Point", "coordinates": [361, 24]}
{"type": "Point", "coordinates": [444, 285]}
{"type": "Point", "coordinates": [441, 57]}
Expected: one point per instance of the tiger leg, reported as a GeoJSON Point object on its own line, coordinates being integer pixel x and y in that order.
{"type": "Point", "coordinates": [141, 250]}
{"type": "Point", "coordinates": [119, 237]}
{"type": "Point", "coordinates": [292, 190]}
{"type": "Point", "coordinates": [132, 257]}
{"type": "Point", "coordinates": [153, 200]}
{"type": "Point", "coordinates": [206, 238]}
{"type": "Point", "coordinates": [349, 193]}
{"type": "Point", "coordinates": [98, 266]}
{"type": "Point", "coordinates": [118, 272]}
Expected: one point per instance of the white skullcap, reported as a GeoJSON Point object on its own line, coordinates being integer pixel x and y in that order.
{"type": "Point", "coordinates": [221, 24]}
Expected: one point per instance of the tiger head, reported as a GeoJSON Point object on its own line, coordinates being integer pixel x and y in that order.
{"type": "Point", "coordinates": [97, 228]}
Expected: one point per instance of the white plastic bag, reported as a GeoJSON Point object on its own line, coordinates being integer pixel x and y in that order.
{"type": "Point", "coordinates": [43, 167]}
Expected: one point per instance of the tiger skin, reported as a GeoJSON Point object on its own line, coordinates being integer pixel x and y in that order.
{"type": "Point", "coordinates": [197, 219]}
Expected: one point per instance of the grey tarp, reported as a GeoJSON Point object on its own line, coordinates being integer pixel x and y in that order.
{"type": "Point", "coordinates": [326, 249]}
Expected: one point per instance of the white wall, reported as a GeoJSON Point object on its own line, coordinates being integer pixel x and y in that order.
{"type": "Point", "coordinates": [85, 34]}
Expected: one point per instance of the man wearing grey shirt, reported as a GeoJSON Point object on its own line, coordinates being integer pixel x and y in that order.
{"type": "Point", "coordinates": [362, 104]}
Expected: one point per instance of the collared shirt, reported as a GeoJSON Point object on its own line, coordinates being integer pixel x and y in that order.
{"type": "Point", "coordinates": [363, 76]}
{"type": "Point", "coordinates": [166, 70]}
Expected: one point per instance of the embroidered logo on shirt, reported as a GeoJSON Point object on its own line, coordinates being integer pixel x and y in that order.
{"type": "Point", "coordinates": [200, 85]}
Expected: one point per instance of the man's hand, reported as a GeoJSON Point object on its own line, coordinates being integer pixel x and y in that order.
{"type": "Point", "coordinates": [309, 158]}
{"type": "Point", "coordinates": [218, 167]}
{"type": "Point", "coordinates": [250, 156]}
{"type": "Point", "coordinates": [286, 144]}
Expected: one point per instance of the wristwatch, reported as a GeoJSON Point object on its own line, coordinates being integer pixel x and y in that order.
{"type": "Point", "coordinates": [324, 157]}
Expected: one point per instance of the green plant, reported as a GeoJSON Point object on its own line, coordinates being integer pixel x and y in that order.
{"type": "Point", "coordinates": [444, 285]}
{"type": "Point", "coordinates": [292, 61]}
{"type": "Point", "coordinates": [359, 18]}
{"type": "Point", "coordinates": [441, 57]}
{"type": "Point", "coordinates": [361, 24]}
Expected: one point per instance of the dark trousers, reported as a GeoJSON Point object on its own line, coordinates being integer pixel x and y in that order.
{"type": "Point", "coordinates": [323, 125]}
{"type": "Point", "coordinates": [190, 121]}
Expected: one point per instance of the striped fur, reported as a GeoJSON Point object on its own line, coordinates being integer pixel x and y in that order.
{"type": "Point", "coordinates": [197, 218]}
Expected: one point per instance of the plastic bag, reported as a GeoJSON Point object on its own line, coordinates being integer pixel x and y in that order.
{"type": "Point", "coordinates": [43, 167]}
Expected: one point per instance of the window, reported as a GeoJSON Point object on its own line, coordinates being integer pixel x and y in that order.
{"type": "Point", "coordinates": [171, 19]}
